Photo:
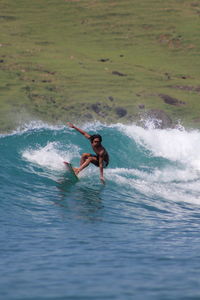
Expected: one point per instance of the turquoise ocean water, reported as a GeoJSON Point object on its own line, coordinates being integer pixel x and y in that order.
{"type": "Point", "coordinates": [137, 237]}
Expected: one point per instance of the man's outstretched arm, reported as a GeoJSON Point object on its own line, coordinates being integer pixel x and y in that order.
{"type": "Point", "coordinates": [101, 169]}
{"type": "Point", "coordinates": [79, 130]}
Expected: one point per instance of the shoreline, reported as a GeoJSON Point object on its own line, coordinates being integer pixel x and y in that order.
{"type": "Point", "coordinates": [91, 63]}
{"type": "Point", "coordinates": [149, 120]}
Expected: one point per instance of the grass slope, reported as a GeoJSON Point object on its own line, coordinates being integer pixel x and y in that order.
{"type": "Point", "coordinates": [96, 59]}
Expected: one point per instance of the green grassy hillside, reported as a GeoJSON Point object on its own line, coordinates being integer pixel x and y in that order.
{"type": "Point", "coordinates": [99, 60]}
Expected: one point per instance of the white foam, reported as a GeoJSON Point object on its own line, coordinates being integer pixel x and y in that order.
{"type": "Point", "coordinates": [171, 184]}
{"type": "Point", "coordinates": [173, 144]}
{"type": "Point", "coordinates": [51, 156]}
{"type": "Point", "coordinates": [31, 126]}
{"type": "Point", "coordinates": [36, 124]}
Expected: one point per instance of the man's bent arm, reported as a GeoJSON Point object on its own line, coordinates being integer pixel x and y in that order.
{"type": "Point", "coordinates": [79, 130]}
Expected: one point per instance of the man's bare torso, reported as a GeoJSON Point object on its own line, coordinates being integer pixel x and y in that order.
{"type": "Point", "coordinates": [101, 151]}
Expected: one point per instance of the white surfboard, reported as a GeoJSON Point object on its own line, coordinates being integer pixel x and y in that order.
{"type": "Point", "coordinates": [70, 169]}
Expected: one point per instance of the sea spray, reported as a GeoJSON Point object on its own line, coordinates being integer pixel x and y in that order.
{"type": "Point", "coordinates": [51, 156]}
{"type": "Point", "coordinates": [172, 144]}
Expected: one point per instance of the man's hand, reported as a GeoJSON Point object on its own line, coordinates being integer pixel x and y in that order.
{"type": "Point", "coordinates": [79, 130]}
{"type": "Point", "coordinates": [102, 180]}
{"type": "Point", "coordinates": [70, 124]}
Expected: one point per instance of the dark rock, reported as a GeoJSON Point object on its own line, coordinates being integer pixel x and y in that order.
{"type": "Point", "coordinates": [159, 118]}
{"type": "Point", "coordinates": [118, 73]}
{"type": "Point", "coordinates": [167, 75]}
{"type": "Point", "coordinates": [106, 107]}
{"type": "Point", "coordinates": [104, 59]}
{"type": "Point", "coordinates": [1, 61]}
{"type": "Point", "coordinates": [96, 107]}
{"type": "Point", "coordinates": [8, 18]}
{"type": "Point", "coordinates": [49, 72]}
{"type": "Point", "coordinates": [141, 106]}
{"type": "Point", "coordinates": [88, 116]}
{"type": "Point", "coordinates": [170, 100]}
{"type": "Point", "coordinates": [46, 81]}
{"type": "Point", "coordinates": [103, 114]}
{"type": "Point", "coordinates": [120, 111]}
{"type": "Point", "coordinates": [51, 88]}
{"type": "Point", "coordinates": [101, 109]}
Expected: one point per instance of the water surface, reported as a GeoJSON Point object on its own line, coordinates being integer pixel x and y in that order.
{"type": "Point", "coordinates": [137, 237]}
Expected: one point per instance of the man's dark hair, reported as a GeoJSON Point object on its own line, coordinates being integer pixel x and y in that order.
{"type": "Point", "coordinates": [95, 136]}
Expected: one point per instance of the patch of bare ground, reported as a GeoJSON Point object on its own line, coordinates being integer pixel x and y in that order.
{"type": "Point", "coordinates": [170, 40]}
{"type": "Point", "coordinates": [187, 88]}
{"type": "Point", "coordinates": [196, 120]}
{"type": "Point", "coordinates": [72, 0]}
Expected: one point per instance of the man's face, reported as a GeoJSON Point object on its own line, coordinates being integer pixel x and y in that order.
{"type": "Point", "coordinates": [96, 142]}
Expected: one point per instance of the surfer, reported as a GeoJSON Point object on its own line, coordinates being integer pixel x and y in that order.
{"type": "Point", "coordinates": [101, 159]}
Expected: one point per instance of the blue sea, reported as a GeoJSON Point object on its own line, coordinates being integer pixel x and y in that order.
{"type": "Point", "coordinates": [136, 237]}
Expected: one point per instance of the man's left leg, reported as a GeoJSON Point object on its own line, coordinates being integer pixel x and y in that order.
{"type": "Point", "coordinates": [90, 159]}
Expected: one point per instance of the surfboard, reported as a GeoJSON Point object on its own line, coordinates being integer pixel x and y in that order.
{"type": "Point", "coordinates": [70, 169]}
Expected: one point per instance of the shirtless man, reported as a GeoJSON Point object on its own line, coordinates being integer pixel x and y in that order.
{"type": "Point", "coordinates": [101, 159]}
